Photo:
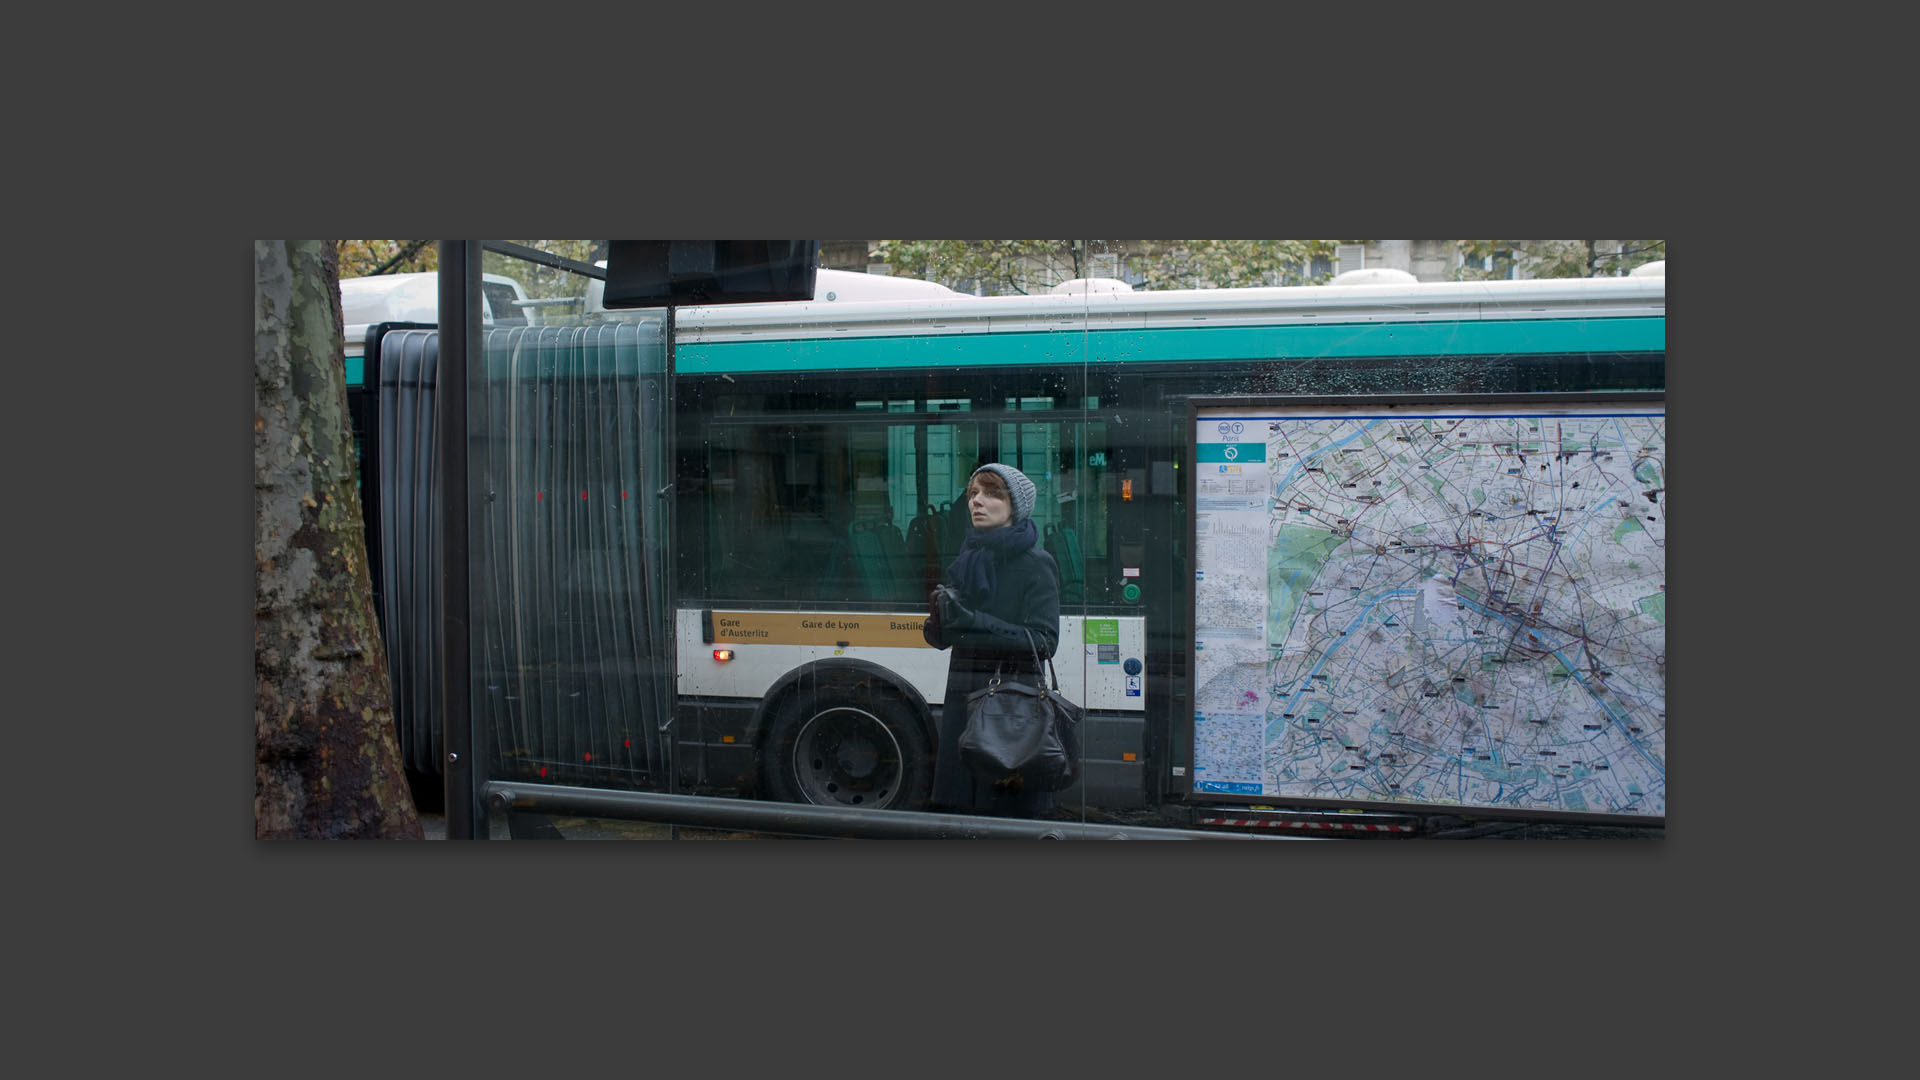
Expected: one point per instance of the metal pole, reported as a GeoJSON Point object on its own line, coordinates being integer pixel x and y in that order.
{"type": "Point", "coordinates": [459, 326]}
{"type": "Point", "coordinates": [806, 820]}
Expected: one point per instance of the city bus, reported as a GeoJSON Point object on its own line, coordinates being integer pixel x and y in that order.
{"type": "Point", "coordinates": [1393, 547]}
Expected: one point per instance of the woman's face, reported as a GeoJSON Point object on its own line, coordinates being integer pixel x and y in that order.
{"type": "Point", "coordinates": [989, 503]}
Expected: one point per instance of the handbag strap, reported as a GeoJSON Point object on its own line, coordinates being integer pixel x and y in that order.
{"type": "Point", "coordinates": [1051, 674]}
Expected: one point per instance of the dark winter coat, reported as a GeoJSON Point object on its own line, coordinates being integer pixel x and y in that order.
{"type": "Point", "coordinates": [1026, 597]}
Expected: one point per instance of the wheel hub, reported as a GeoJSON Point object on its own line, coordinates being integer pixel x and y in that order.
{"type": "Point", "coordinates": [847, 757]}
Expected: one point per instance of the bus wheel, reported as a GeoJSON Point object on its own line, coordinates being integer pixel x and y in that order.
{"type": "Point", "coordinates": [428, 790]}
{"type": "Point", "coordinates": [846, 747]}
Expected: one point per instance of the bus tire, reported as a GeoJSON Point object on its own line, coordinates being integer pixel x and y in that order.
{"type": "Point", "coordinates": [428, 791]}
{"type": "Point", "coordinates": [853, 746]}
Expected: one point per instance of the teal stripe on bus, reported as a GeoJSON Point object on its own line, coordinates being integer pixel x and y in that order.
{"type": "Point", "coordinates": [1505, 338]}
{"type": "Point", "coordinates": [356, 371]}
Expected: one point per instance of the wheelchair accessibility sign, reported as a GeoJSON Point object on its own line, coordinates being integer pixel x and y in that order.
{"type": "Point", "coordinates": [1133, 686]}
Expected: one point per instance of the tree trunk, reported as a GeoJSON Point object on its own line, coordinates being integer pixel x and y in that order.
{"type": "Point", "coordinates": [326, 758]}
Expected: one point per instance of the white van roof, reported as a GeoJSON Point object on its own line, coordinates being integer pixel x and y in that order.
{"type": "Point", "coordinates": [407, 298]}
{"type": "Point", "coordinates": [390, 298]}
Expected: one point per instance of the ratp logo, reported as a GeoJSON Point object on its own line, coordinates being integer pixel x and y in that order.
{"type": "Point", "coordinates": [1232, 453]}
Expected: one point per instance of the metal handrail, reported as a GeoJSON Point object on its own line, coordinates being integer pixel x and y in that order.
{"type": "Point", "coordinates": [704, 811]}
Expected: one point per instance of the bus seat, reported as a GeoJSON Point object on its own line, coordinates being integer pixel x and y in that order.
{"type": "Point", "coordinates": [923, 550]}
{"type": "Point", "coordinates": [923, 534]}
{"type": "Point", "coordinates": [880, 555]}
{"type": "Point", "coordinates": [811, 543]}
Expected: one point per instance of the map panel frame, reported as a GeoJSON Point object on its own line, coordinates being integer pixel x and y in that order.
{"type": "Point", "coordinates": [1553, 661]}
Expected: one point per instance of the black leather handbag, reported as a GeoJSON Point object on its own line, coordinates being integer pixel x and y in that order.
{"type": "Point", "coordinates": [1013, 727]}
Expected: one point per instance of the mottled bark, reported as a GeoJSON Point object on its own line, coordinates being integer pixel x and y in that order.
{"type": "Point", "coordinates": [326, 758]}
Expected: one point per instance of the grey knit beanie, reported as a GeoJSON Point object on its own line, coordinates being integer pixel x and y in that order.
{"type": "Point", "coordinates": [1018, 486]}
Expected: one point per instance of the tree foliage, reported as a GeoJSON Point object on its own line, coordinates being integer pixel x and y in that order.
{"type": "Point", "coordinates": [547, 282]}
{"type": "Point", "coordinates": [370, 258]}
{"type": "Point", "coordinates": [326, 757]}
{"type": "Point", "coordinates": [1003, 267]}
{"type": "Point", "coordinates": [1557, 258]}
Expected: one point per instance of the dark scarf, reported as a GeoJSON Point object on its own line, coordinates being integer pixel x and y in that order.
{"type": "Point", "coordinates": [974, 571]}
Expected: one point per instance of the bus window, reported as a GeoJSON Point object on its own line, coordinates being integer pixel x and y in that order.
{"type": "Point", "coordinates": [817, 513]}
{"type": "Point", "coordinates": [1065, 458]}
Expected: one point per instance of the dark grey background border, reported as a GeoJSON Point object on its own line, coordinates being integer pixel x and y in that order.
{"type": "Point", "coordinates": [152, 899]}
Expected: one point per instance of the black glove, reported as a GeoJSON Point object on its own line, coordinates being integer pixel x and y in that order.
{"type": "Point", "coordinates": [953, 614]}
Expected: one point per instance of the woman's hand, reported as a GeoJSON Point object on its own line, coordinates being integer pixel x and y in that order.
{"type": "Point", "coordinates": [952, 613]}
{"type": "Point", "coordinates": [931, 629]}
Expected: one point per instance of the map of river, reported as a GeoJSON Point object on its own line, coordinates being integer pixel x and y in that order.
{"type": "Point", "coordinates": [1461, 608]}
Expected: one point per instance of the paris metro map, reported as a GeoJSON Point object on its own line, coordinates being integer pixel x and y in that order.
{"type": "Point", "coordinates": [1458, 607]}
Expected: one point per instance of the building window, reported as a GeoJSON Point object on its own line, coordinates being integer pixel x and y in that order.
{"type": "Point", "coordinates": [1498, 264]}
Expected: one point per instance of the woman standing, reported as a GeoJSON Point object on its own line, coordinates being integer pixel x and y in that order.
{"type": "Point", "coordinates": [1001, 588]}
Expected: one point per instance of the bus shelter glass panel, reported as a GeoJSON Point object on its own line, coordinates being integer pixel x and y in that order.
{"type": "Point", "coordinates": [703, 555]}
{"type": "Point", "coordinates": [567, 587]}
